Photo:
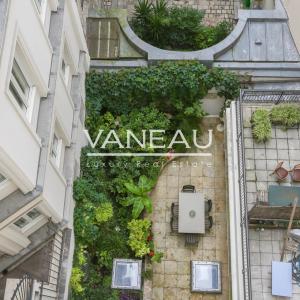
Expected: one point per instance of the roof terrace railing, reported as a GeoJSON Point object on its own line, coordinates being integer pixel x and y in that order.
{"type": "Point", "coordinates": [270, 96]}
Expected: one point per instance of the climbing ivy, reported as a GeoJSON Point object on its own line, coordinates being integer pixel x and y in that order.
{"type": "Point", "coordinates": [166, 96]}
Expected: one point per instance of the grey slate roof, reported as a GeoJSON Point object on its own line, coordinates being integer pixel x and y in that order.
{"type": "Point", "coordinates": [261, 45]}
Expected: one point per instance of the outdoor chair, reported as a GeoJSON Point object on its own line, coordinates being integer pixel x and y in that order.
{"type": "Point", "coordinates": [280, 172]}
{"type": "Point", "coordinates": [208, 222]}
{"type": "Point", "coordinates": [188, 189]}
{"type": "Point", "coordinates": [174, 224]}
{"type": "Point", "coordinates": [175, 209]}
{"type": "Point", "coordinates": [295, 172]}
{"type": "Point", "coordinates": [192, 239]}
{"type": "Point", "coordinates": [208, 206]}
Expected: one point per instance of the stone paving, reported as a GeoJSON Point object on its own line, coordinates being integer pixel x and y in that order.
{"type": "Point", "coordinates": [171, 278]}
{"type": "Point", "coordinates": [261, 160]}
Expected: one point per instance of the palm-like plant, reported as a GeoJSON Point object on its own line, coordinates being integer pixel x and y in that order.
{"type": "Point", "coordinates": [139, 196]}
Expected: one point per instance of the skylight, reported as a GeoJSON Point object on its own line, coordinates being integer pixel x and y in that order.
{"type": "Point", "coordinates": [206, 277]}
{"type": "Point", "coordinates": [127, 274]}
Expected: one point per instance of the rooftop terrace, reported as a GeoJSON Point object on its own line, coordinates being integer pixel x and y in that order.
{"type": "Point", "coordinates": [265, 245]}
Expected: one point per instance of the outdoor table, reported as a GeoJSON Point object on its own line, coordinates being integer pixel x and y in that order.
{"type": "Point", "coordinates": [191, 213]}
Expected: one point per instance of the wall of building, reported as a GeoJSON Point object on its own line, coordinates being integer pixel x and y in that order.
{"type": "Point", "coordinates": [293, 10]}
{"type": "Point", "coordinates": [216, 10]}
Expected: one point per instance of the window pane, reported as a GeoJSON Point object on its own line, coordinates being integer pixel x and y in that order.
{"type": "Point", "coordinates": [63, 66]}
{"type": "Point", "coordinates": [54, 146]}
{"type": "Point", "coordinates": [33, 214]}
{"type": "Point", "coordinates": [22, 222]}
{"type": "Point", "coordinates": [17, 97]}
{"type": "Point", "coordinates": [19, 86]}
{"type": "Point", "coordinates": [38, 3]}
{"type": "Point", "coordinates": [20, 78]}
{"type": "Point", "coordinates": [2, 178]}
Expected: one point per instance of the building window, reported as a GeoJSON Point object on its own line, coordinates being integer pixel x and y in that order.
{"type": "Point", "coordinates": [2, 178]}
{"type": "Point", "coordinates": [19, 86]}
{"type": "Point", "coordinates": [55, 147]}
{"type": "Point", "coordinates": [27, 218]}
{"type": "Point", "coordinates": [38, 4]}
{"type": "Point", "coordinates": [65, 68]}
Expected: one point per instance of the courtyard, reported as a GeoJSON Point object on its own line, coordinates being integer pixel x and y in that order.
{"type": "Point", "coordinates": [172, 277]}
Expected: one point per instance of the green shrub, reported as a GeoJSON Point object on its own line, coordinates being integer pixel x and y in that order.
{"type": "Point", "coordinates": [211, 35]}
{"type": "Point", "coordinates": [139, 231]}
{"type": "Point", "coordinates": [176, 28]}
{"type": "Point", "coordinates": [139, 196]}
{"type": "Point", "coordinates": [76, 279]}
{"type": "Point", "coordinates": [247, 3]}
{"type": "Point", "coordinates": [104, 212]}
{"type": "Point", "coordinates": [261, 125]}
{"type": "Point", "coordinates": [286, 115]}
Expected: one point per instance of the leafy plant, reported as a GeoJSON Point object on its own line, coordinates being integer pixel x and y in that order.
{"type": "Point", "coordinates": [138, 232]}
{"type": "Point", "coordinates": [104, 212]}
{"type": "Point", "coordinates": [261, 125]}
{"type": "Point", "coordinates": [286, 115]}
{"type": "Point", "coordinates": [157, 257]}
{"type": "Point", "coordinates": [247, 3]}
{"type": "Point", "coordinates": [177, 28]}
{"type": "Point", "coordinates": [166, 96]}
{"type": "Point", "coordinates": [139, 197]}
{"type": "Point", "coordinates": [76, 279]}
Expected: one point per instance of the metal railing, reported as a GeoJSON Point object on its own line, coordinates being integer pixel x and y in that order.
{"type": "Point", "coordinates": [269, 96]}
{"type": "Point", "coordinates": [244, 206]}
{"type": "Point", "coordinates": [47, 289]}
{"type": "Point", "coordinates": [23, 291]}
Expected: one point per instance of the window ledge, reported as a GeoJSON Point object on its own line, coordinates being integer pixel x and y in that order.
{"type": "Point", "coordinates": [66, 89]}
{"type": "Point", "coordinates": [23, 117]}
{"type": "Point", "coordinates": [38, 15]}
{"type": "Point", "coordinates": [6, 188]}
{"type": "Point", "coordinates": [57, 171]}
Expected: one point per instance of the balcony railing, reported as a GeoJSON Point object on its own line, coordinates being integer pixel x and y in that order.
{"type": "Point", "coordinates": [23, 291]}
{"type": "Point", "coordinates": [47, 289]}
{"type": "Point", "coordinates": [244, 206]}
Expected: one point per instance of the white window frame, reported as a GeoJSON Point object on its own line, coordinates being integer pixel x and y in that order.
{"type": "Point", "coordinates": [69, 68]}
{"type": "Point", "coordinates": [57, 158]}
{"type": "Point", "coordinates": [39, 4]}
{"type": "Point", "coordinates": [65, 68]}
{"type": "Point", "coordinates": [32, 225]}
{"type": "Point", "coordinates": [21, 86]}
{"type": "Point", "coordinates": [6, 187]}
{"type": "Point", "coordinates": [31, 98]}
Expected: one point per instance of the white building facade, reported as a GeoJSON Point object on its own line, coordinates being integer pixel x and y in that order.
{"type": "Point", "coordinates": [43, 61]}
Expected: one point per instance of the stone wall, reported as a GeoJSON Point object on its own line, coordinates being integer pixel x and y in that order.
{"type": "Point", "coordinates": [216, 10]}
